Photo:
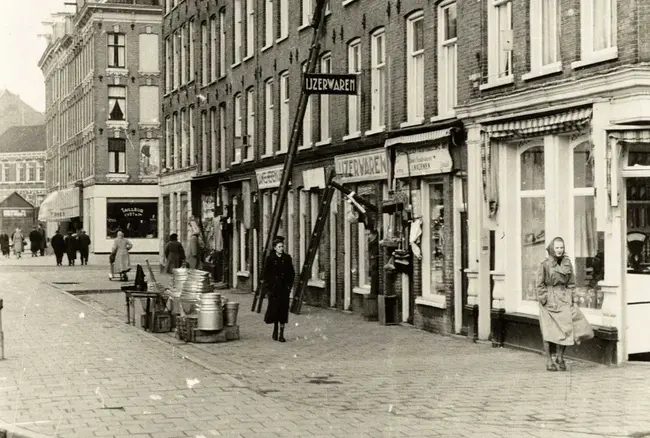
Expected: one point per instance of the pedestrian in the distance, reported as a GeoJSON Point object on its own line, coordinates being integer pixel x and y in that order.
{"type": "Point", "coordinates": [35, 241]}
{"type": "Point", "coordinates": [43, 239]}
{"type": "Point", "coordinates": [71, 248]}
{"type": "Point", "coordinates": [561, 321]}
{"type": "Point", "coordinates": [121, 248]}
{"type": "Point", "coordinates": [278, 281]}
{"type": "Point", "coordinates": [83, 242]}
{"type": "Point", "coordinates": [58, 245]}
{"type": "Point", "coordinates": [174, 254]}
{"type": "Point", "coordinates": [19, 242]}
{"type": "Point", "coordinates": [194, 252]}
{"type": "Point", "coordinates": [4, 244]}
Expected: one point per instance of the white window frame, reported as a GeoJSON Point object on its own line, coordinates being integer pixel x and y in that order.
{"type": "Point", "coordinates": [414, 72]}
{"type": "Point", "coordinates": [204, 141]}
{"type": "Point", "coordinates": [378, 82]}
{"type": "Point", "coordinates": [284, 19]}
{"type": "Point", "coordinates": [237, 140]}
{"type": "Point", "coordinates": [184, 57]}
{"type": "Point", "coordinates": [222, 135]}
{"type": "Point", "coordinates": [325, 132]}
{"type": "Point", "coordinates": [354, 102]}
{"type": "Point", "coordinates": [176, 141]}
{"type": "Point", "coordinates": [168, 142]}
{"type": "Point", "coordinates": [222, 42]}
{"type": "Point", "coordinates": [250, 123]}
{"type": "Point", "coordinates": [307, 128]}
{"type": "Point", "coordinates": [113, 47]}
{"type": "Point", "coordinates": [237, 23]}
{"type": "Point", "coordinates": [213, 49]}
{"type": "Point", "coordinates": [498, 40]}
{"type": "Point", "coordinates": [284, 112]}
{"type": "Point", "coordinates": [302, 218]}
{"type": "Point", "coordinates": [177, 63]}
{"type": "Point", "coordinates": [192, 48]}
{"type": "Point", "coordinates": [192, 152]}
{"type": "Point", "coordinates": [205, 44]}
{"type": "Point", "coordinates": [314, 205]}
{"type": "Point", "coordinates": [121, 159]}
{"type": "Point", "coordinates": [185, 134]}
{"type": "Point", "coordinates": [250, 28]}
{"type": "Point", "coordinates": [269, 20]}
{"type": "Point", "coordinates": [537, 42]}
{"type": "Point", "coordinates": [242, 248]}
{"type": "Point", "coordinates": [124, 99]}
{"type": "Point", "coordinates": [364, 278]}
{"type": "Point", "coordinates": [214, 146]}
{"type": "Point", "coordinates": [588, 54]}
{"type": "Point", "coordinates": [447, 64]}
{"type": "Point", "coordinates": [269, 109]}
{"type": "Point", "coordinates": [169, 65]}
{"type": "Point", "coordinates": [307, 12]}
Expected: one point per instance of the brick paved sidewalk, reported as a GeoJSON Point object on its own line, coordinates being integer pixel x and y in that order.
{"type": "Point", "coordinates": [75, 371]}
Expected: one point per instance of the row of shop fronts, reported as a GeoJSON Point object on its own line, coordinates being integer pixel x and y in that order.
{"type": "Point", "coordinates": [102, 211]}
{"type": "Point", "coordinates": [471, 208]}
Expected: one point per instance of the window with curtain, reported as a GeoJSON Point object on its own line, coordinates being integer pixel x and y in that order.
{"type": "Point", "coordinates": [378, 80]}
{"type": "Point", "coordinates": [116, 103]}
{"type": "Point", "coordinates": [415, 67]}
{"type": "Point", "coordinates": [447, 54]}
{"type": "Point", "coordinates": [604, 24]}
{"type": "Point", "coordinates": [532, 211]}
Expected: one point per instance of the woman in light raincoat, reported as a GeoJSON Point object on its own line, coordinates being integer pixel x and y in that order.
{"type": "Point", "coordinates": [561, 321]}
{"type": "Point", "coordinates": [121, 248]}
{"type": "Point", "coordinates": [19, 242]}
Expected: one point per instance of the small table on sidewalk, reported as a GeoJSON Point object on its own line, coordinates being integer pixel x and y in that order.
{"type": "Point", "coordinates": [150, 310]}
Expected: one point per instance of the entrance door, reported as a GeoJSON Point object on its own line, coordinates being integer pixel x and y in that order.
{"type": "Point", "coordinates": [637, 280]}
{"type": "Point", "coordinates": [464, 264]}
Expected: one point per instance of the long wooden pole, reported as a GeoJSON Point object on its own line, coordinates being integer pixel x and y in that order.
{"type": "Point", "coordinates": [314, 51]}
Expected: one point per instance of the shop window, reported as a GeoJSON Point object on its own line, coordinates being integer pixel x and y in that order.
{"type": "Point", "coordinates": [436, 236]}
{"type": "Point", "coordinates": [317, 273]}
{"type": "Point", "coordinates": [638, 224]}
{"type": "Point", "coordinates": [532, 205]}
{"type": "Point", "coordinates": [116, 155]}
{"type": "Point", "coordinates": [136, 219]}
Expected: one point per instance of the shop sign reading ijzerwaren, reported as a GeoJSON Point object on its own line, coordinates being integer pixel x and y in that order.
{"type": "Point", "coordinates": [365, 166]}
{"type": "Point", "coordinates": [269, 177]}
{"type": "Point", "coordinates": [418, 162]}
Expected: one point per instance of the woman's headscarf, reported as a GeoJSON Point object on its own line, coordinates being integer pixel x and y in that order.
{"type": "Point", "coordinates": [561, 260]}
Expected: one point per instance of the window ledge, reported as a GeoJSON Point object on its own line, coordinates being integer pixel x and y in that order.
{"type": "Point", "coordinates": [316, 283]}
{"type": "Point", "coordinates": [376, 131]}
{"type": "Point", "coordinates": [243, 274]}
{"type": "Point", "coordinates": [352, 136]}
{"type": "Point", "coordinates": [495, 83]}
{"type": "Point", "coordinates": [248, 58]}
{"type": "Point", "coordinates": [596, 57]}
{"type": "Point", "coordinates": [324, 142]}
{"type": "Point", "coordinates": [247, 160]}
{"type": "Point", "coordinates": [443, 117]}
{"type": "Point", "coordinates": [416, 122]}
{"type": "Point", "coordinates": [347, 2]}
{"type": "Point", "coordinates": [280, 153]}
{"type": "Point", "coordinates": [233, 163]}
{"type": "Point", "coordinates": [361, 290]}
{"type": "Point", "coordinates": [236, 64]}
{"type": "Point", "coordinates": [542, 71]}
{"type": "Point", "coordinates": [282, 38]}
{"type": "Point", "coordinates": [304, 26]}
{"type": "Point", "coordinates": [118, 70]}
{"type": "Point", "coordinates": [438, 301]}
{"type": "Point", "coordinates": [265, 48]}
{"type": "Point", "coordinates": [223, 76]}
{"type": "Point", "coordinates": [117, 124]}
{"type": "Point", "coordinates": [305, 146]}
{"type": "Point", "coordinates": [266, 156]}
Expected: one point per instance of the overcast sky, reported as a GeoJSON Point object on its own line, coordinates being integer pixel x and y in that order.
{"type": "Point", "coordinates": [21, 48]}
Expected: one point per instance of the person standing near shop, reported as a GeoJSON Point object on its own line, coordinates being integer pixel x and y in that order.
{"type": "Point", "coordinates": [58, 245]}
{"type": "Point", "coordinates": [18, 240]}
{"type": "Point", "coordinates": [83, 241]}
{"type": "Point", "coordinates": [561, 321]}
{"type": "Point", "coordinates": [71, 248]}
{"type": "Point", "coordinates": [194, 251]}
{"type": "Point", "coordinates": [35, 241]}
{"type": "Point", "coordinates": [43, 239]}
{"type": "Point", "coordinates": [278, 281]}
{"type": "Point", "coordinates": [4, 244]}
{"type": "Point", "coordinates": [174, 254]}
{"type": "Point", "coordinates": [121, 248]}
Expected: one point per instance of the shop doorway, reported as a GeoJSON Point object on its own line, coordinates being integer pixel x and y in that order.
{"type": "Point", "coordinates": [637, 276]}
{"type": "Point", "coordinates": [464, 265]}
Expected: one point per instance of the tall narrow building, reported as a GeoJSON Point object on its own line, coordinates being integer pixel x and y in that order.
{"type": "Point", "coordinates": [102, 73]}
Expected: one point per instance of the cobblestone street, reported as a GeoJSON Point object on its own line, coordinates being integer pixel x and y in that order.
{"type": "Point", "coordinates": [74, 368]}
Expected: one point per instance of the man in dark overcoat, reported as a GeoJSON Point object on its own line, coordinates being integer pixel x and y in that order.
{"type": "Point", "coordinates": [83, 243]}
{"type": "Point", "coordinates": [278, 281]}
{"type": "Point", "coordinates": [58, 245]}
{"type": "Point", "coordinates": [71, 248]}
{"type": "Point", "coordinates": [43, 239]}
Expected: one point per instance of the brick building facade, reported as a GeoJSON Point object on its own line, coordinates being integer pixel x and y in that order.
{"type": "Point", "coordinates": [102, 74]}
{"type": "Point", "coordinates": [552, 96]}
{"type": "Point", "coordinates": [233, 77]}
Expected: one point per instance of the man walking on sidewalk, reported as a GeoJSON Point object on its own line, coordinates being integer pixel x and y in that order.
{"type": "Point", "coordinates": [83, 244]}
{"type": "Point", "coordinates": [58, 245]}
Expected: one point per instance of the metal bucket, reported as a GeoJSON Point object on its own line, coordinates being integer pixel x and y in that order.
{"type": "Point", "coordinates": [232, 309]}
{"type": "Point", "coordinates": [210, 316]}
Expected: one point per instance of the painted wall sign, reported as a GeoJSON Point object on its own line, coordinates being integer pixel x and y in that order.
{"type": "Point", "coordinates": [269, 177]}
{"type": "Point", "coordinates": [314, 178]}
{"type": "Point", "coordinates": [418, 162]}
{"type": "Point", "coordinates": [366, 166]}
{"type": "Point", "coordinates": [14, 213]}
{"type": "Point", "coordinates": [324, 83]}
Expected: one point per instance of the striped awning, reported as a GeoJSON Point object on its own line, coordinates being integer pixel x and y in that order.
{"type": "Point", "coordinates": [418, 138]}
{"type": "Point", "coordinates": [631, 135]}
{"type": "Point", "coordinates": [562, 122]}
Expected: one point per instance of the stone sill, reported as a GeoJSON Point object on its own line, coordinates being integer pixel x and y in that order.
{"type": "Point", "coordinates": [432, 301]}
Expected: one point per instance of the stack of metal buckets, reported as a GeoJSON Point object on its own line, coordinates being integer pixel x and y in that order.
{"type": "Point", "coordinates": [192, 295]}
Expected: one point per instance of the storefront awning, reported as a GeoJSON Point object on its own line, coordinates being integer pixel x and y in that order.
{"type": "Point", "coordinates": [60, 205]}
{"type": "Point", "coordinates": [567, 121]}
{"type": "Point", "coordinates": [418, 138]}
{"type": "Point", "coordinates": [632, 136]}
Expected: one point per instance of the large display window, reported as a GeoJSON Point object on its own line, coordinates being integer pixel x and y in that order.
{"type": "Point", "coordinates": [138, 219]}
